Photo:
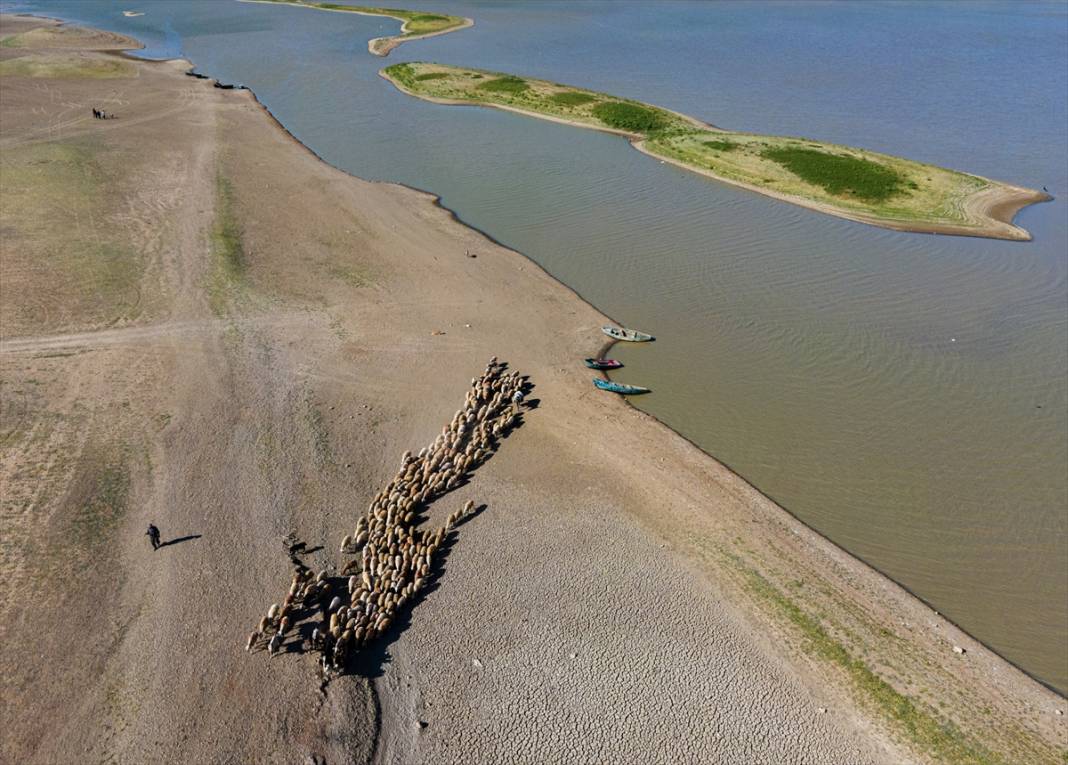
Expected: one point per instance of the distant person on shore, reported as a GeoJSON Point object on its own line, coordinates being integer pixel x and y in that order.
{"type": "Point", "coordinates": [153, 536]}
{"type": "Point", "coordinates": [517, 399]}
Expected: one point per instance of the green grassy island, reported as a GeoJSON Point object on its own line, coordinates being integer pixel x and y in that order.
{"type": "Point", "coordinates": [417, 24]}
{"type": "Point", "coordinates": [860, 185]}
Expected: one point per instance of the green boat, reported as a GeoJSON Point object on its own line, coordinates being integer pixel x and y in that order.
{"type": "Point", "coordinates": [614, 387]}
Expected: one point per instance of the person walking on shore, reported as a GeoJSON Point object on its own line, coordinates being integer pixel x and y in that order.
{"type": "Point", "coordinates": [153, 536]}
{"type": "Point", "coordinates": [517, 399]}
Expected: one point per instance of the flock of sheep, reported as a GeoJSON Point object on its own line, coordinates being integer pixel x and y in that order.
{"type": "Point", "coordinates": [395, 557]}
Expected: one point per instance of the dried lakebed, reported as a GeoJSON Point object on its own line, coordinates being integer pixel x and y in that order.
{"type": "Point", "coordinates": [864, 186]}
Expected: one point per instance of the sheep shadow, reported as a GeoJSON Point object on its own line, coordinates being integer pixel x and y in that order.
{"type": "Point", "coordinates": [370, 661]}
{"type": "Point", "coordinates": [494, 445]}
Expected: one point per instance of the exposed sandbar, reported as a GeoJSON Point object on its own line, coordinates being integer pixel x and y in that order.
{"type": "Point", "coordinates": [432, 24]}
{"type": "Point", "coordinates": [873, 188]}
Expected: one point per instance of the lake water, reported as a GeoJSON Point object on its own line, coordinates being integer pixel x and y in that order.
{"type": "Point", "coordinates": [904, 394]}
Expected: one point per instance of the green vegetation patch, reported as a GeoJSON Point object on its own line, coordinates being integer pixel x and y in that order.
{"type": "Point", "coordinates": [721, 145]}
{"type": "Point", "coordinates": [416, 22]}
{"type": "Point", "coordinates": [65, 265]}
{"type": "Point", "coordinates": [228, 269]}
{"type": "Point", "coordinates": [349, 274]}
{"type": "Point", "coordinates": [839, 174]}
{"type": "Point", "coordinates": [506, 84]}
{"type": "Point", "coordinates": [65, 67]}
{"type": "Point", "coordinates": [432, 76]}
{"type": "Point", "coordinates": [630, 117]}
{"type": "Point", "coordinates": [572, 98]}
{"type": "Point", "coordinates": [96, 519]}
{"type": "Point", "coordinates": [404, 73]}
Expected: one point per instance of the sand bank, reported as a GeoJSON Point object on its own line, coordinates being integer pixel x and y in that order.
{"type": "Point", "coordinates": [378, 46]}
{"type": "Point", "coordinates": [262, 341]}
{"type": "Point", "coordinates": [928, 199]}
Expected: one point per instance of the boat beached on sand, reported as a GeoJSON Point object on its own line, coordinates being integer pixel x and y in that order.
{"type": "Point", "coordinates": [614, 387]}
{"type": "Point", "coordinates": [604, 364]}
{"type": "Point", "coordinates": [630, 335]}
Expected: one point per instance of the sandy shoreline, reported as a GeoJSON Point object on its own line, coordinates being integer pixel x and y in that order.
{"type": "Point", "coordinates": [588, 594]}
{"type": "Point", "coordinates": [991, 210]}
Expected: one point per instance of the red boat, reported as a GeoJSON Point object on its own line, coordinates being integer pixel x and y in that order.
{"type": "Point", "coordinates": [603, 363]}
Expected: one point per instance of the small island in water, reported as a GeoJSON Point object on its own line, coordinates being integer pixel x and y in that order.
{"type": "Point", "coordinates": [417, 24]}
{"type": "Point", "coordinates": [865, 186]}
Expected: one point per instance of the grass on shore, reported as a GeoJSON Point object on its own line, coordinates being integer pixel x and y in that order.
{"type": "Point", "coordinates": [537, 96]}
{"type": "Point", "coordinates": [512, 85]}
{"type": "Point", "coordinates": [630, 117]}
{"type": "Point", "coordinates": [64, 67]}
{"type": "Point", "coordinates": [875, 186]}
{"type": "Point", "coordinates": [415, 22]}
{"type": "Point", "coordinates": [50, 37]}
{"type": "Point", "coordinates": [721, 145]}
{"type": "Point", "coordinates": [53, 196]}
{"type": "Point", "coordinates": [921, 725]}
{"type": "Point", "coordinates": [228, 255]}
{"type": "Point", "coordinates": [839, 174]}
{"type": "Point", "coordinates": [106, 489]}
{"type": "Point", "coordinates": [572, 98]}
{"type": "Point", "coordinates": [840, 177]}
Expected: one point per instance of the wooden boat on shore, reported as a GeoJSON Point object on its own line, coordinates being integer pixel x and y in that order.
{"type": "Point", "coordinates": [614, 387]}
{"type": "Point", "coordinates": [630, 335]}
{"type": "Point", "coordinates": [604, 364]}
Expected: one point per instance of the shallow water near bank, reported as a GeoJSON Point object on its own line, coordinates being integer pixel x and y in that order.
{"type": "Point", "coordinates": [906, 395]}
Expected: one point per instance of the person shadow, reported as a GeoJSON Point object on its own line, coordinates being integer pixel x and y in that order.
{"type": "Point", "coordinates": [179, 540]}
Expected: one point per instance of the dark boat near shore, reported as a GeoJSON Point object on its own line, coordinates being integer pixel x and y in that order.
{"type": "Point", "coordinates": [614, 387]}
{"type": "Point", "coordinates": [604, 364]}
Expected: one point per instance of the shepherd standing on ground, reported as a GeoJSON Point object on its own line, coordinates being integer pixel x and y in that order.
{"type": "Point", "coordinates": [153, 536]}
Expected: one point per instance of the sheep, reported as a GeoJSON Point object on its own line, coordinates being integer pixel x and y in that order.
{"type": "Point", "coordinates": [275, 644]}
{"type": "Point", "coordinates": [393, 558]}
